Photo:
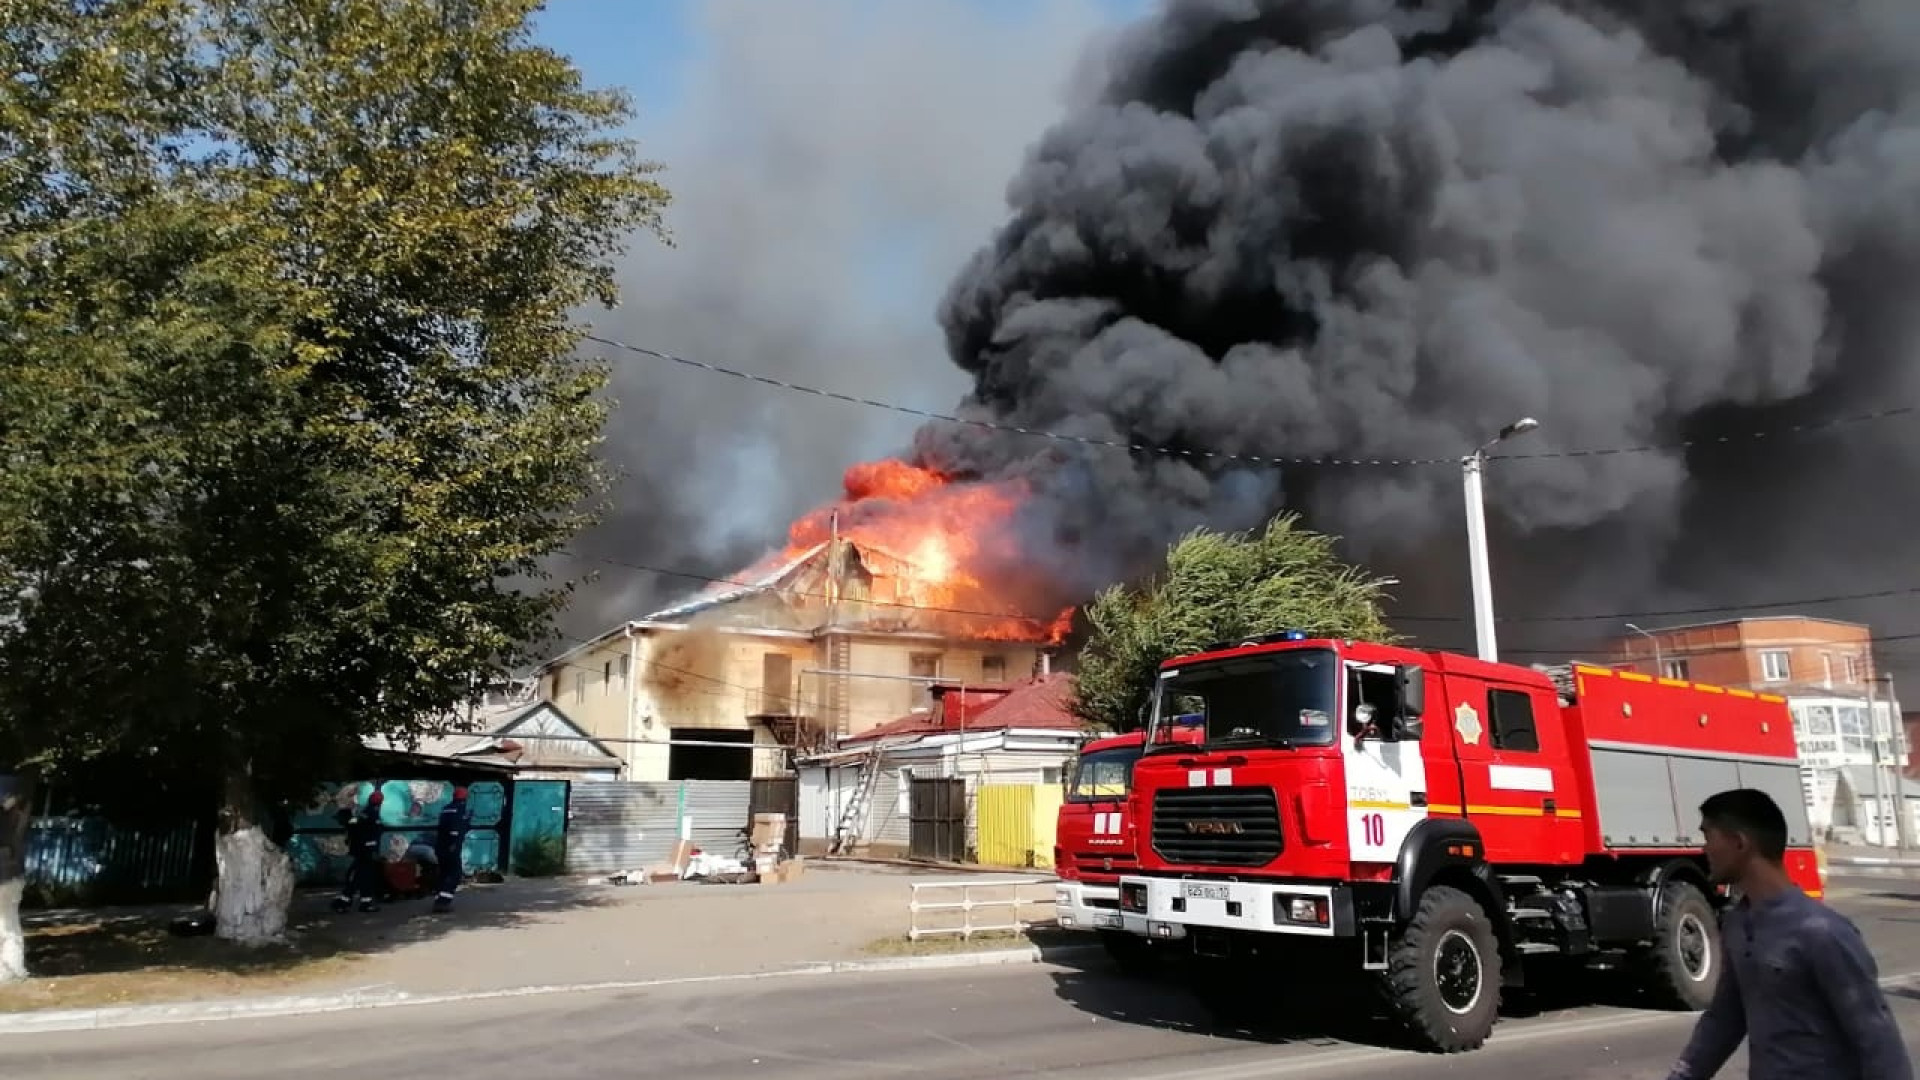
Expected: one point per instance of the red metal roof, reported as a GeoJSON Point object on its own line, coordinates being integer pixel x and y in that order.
{"type": "Point", "coordinates": [1037, 703]}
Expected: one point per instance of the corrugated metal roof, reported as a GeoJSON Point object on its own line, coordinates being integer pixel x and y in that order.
{"type": "Point", "coordinates": [487, 739]}
{"type": "Point", "coordinates": [713, 597]}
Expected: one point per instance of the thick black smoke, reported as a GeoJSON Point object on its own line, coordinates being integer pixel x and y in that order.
{"type": "Point", "coordinates": [1368, 229]}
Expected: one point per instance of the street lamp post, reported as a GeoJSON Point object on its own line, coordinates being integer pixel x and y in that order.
{"type": "Point", "coordinates": [1471, 467]}
{"type": "Point", "coordinates": [1659, 667]}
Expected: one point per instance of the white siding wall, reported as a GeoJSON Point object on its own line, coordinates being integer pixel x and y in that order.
{"type": "Point", "coordinates": [825, 793]}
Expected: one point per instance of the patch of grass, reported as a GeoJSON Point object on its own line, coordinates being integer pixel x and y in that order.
{"type": "Point", "coordinates": [540, 856]}
{"type": "Point", "coordinates": [129, 960]}
{"type": "Point", "coordinates": [989, 941]}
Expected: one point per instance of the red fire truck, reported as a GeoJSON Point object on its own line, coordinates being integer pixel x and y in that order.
{"type": "Point", "coordinates": [1433, 828]}
{"type": "Point", "coordinates": [1094, 839]}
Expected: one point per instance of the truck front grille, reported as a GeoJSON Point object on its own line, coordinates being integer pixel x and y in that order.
{"type": "Point", "coordinates": [1216, 826]}
{"type": "Point", "coordinates": [1112, 862]}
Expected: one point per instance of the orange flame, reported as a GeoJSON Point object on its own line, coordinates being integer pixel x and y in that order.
{"type": "Point", "coordinates": [926, 539]}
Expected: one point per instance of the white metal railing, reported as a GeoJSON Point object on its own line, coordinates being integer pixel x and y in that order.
{"type": "Point", "coordinates": [1013, 905]}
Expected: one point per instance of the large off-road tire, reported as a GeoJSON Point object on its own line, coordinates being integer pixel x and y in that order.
{"type": "Point", "coordinates": [1443, 974]}
{"type": "Point", "coordinates": [1131, 954]}
{"type": "Point", "coordinates": [1682, 966]}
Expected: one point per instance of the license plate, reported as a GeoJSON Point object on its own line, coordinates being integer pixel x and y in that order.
{"type": "Point", "coordinates": [1104, 921]}
{"type": "Point", "coordinates": [1193, 891]}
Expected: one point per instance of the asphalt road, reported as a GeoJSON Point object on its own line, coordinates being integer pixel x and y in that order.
{"type": "Point", "coordinates": [978, 1023]}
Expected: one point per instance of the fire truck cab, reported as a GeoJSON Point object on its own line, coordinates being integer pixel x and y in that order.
{"type": "Point", "coordinates": [1433, 825]}
{"type": "Point", "coordinates": [1094, 837]}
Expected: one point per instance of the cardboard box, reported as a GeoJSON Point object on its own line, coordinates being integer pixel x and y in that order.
{"type": "Point", "coordinates": [768, 832]}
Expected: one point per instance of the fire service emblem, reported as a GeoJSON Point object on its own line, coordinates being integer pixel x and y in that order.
{"type": "Point", "coordinates": [1467, 722]}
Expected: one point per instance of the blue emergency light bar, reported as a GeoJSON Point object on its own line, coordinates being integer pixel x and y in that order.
{"type": "Point", "coordinates": [1191, 719]}
{"type": "Point", "coordinates": [1263, 639]}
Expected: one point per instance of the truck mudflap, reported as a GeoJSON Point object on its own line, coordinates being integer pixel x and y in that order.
{"type": "Point", "coordinates": [1166, 908]}
{"type": "Point", "coordinates": [1080, 906]}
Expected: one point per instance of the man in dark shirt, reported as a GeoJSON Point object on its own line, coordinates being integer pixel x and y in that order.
{"type": "Point", "coordinates": [449, 842]}
{"type": "Point", "coordinates": [364, 878]}
{"type": "Point", "coordinates": [1799, 984]}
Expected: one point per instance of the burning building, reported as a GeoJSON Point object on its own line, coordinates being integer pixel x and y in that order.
{"type": "Point", "coordinates": [908, 582]}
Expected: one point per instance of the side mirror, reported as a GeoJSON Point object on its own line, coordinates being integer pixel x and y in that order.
{"type": "Point", "coordinates": [1413, 702]}
{"type": "Point", "coordinates": [1360, 720]}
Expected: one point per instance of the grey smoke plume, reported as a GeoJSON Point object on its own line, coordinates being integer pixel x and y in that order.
{"type": "Point", "coordinates": [808, 138]}
{"type": "Point", "coordinates": [1377, 229]}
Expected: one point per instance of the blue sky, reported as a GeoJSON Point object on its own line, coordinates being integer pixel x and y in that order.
{"type": "Point", "coordinates": [647, 46]}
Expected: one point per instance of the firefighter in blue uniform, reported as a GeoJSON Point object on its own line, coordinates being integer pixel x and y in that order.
{"type": "Point", "coordinates": [449, 843]}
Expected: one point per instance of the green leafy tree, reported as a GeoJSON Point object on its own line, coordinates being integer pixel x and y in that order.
{"type": "Point", "coordinates": [1218, 587]}
{"type": "Point", "coordinates": [290, 408]}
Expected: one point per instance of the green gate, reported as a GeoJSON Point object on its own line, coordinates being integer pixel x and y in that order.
{"type": "Point", "coordinates": [537, 832]}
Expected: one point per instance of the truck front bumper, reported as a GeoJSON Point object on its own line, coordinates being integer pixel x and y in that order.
{"type": "Point", "coordinates": [1169, 909]}
{"type": "Point", "coordinates": [1080, 906]}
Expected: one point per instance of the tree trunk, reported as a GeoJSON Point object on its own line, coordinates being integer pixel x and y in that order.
{"type": "Point", "coordinates": [16, 808]}
{"type": "Point", "coordinates": [253, 877]}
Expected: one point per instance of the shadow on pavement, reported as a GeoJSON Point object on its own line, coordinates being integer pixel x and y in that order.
{"type": "Point", "coordinates": [1160, 999]}
{"type": "Point", "coordinates": [110, 942]}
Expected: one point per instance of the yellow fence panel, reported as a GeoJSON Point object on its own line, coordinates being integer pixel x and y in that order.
{"type": "Point", "coordinates": [1015, 823]}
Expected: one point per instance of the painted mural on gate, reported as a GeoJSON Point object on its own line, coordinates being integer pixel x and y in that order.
{"type": "Point", "coordinates": [409, 811]}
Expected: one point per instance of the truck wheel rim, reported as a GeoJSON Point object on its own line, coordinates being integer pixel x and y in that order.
{"type": "Point", "coordinates": [1457, 972]}
{"type": "Point", "coordinates": [1696, 952]}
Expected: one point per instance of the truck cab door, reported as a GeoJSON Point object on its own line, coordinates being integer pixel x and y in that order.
{"type": "Point", "coordinates": [1517, 784]}
{"type": "Point", "coordinates": [1386, 779]}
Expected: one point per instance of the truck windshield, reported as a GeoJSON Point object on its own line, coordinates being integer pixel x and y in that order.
{"type": "Point", "coordinates": [1102, 775]}
{"type": "Point", "coordinates": [1281, 699]}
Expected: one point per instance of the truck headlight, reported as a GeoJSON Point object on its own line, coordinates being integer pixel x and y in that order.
{"type": "Point", "coordinates": [1301, 910]}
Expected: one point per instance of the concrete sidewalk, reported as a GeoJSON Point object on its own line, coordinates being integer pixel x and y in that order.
{"type": "Point", "coordinates": [538, 936]}
{"type": "Point", "coordinates": [536, 933]}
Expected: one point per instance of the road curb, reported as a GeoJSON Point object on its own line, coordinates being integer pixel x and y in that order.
{"type": "Point", "coordinates": [130, 1016]}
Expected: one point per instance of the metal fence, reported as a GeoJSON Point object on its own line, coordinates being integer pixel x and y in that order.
{"type": "Point", "coordinates": [1004, 906]}
{"type": "Point", "coordinates": [630, 826]}
{"type": "Point", "coordinates": [85, 860]}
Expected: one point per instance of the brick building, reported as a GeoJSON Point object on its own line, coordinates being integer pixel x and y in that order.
{"type": "Point", "coordinates": [1775, 653]}
{"type": "Point", "coordinates": [1825, 669]}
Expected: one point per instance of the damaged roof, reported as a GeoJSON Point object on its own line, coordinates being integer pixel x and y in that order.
{"type": "Point", "coordinates": [709, 599]}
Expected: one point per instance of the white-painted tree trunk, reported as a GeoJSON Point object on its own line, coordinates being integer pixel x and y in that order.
{"type": "Point", "coordinates": [16, 805]}
{"type": "Point", "coordinates": [13, 936]}
{"type": "Point", "coordinates": [253, 887]}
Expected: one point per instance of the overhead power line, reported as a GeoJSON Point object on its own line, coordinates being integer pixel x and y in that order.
{"type": "Point", "coordinates": [1783, 431]}
{"type": "Point", "coordinates": [1615, 616]}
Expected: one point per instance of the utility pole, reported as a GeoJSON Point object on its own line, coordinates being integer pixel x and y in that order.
{"type": "Point", "coordinates": [1471, 468]}
{"type": "Point", "coordinates": [1659, 666]}
{"type": "Point", "coordinates": [1903, 820]}
{"type": "Point", "coordinates": [1880, 807]}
